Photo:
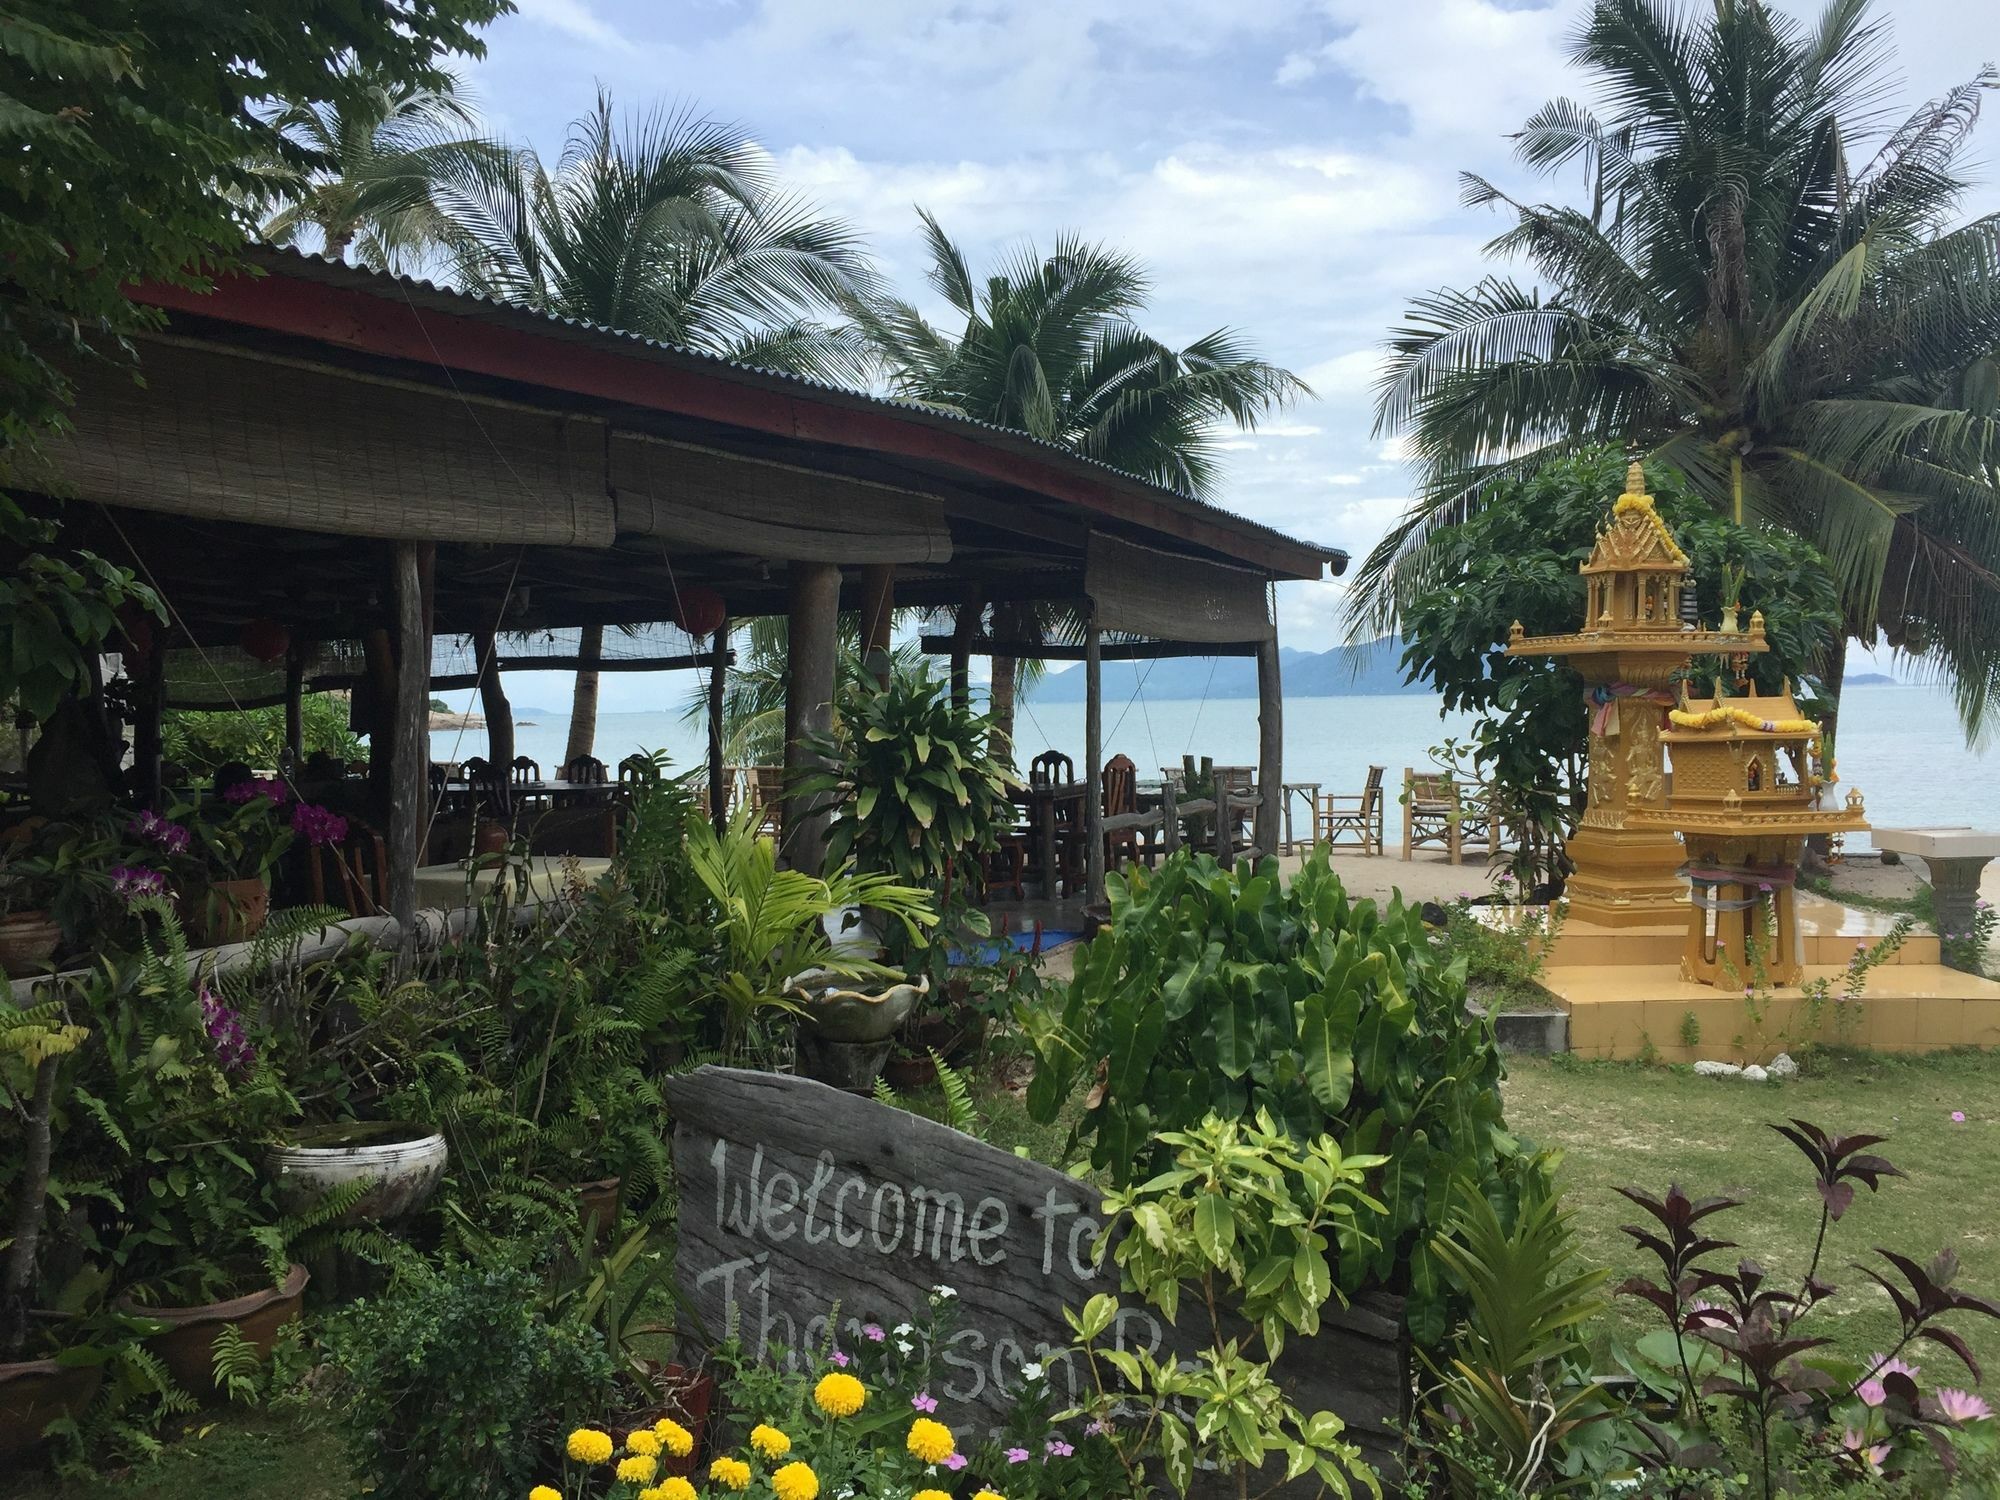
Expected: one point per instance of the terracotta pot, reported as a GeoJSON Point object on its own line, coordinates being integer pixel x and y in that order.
{"type": "Point", "coordinates": [600, 1199]}
{"type": "Point", "coordinates": [28, 941]}
{"type": "Point", "coordinates": [489, 837]}
{"type": "Point", "coordinates": [405, 1162]}
{"type": "Point", "coordinates": [910, 1070]}
{"type": "Point", "coordinates": [690, 1400]}
{"type": "Point", "coordinates": [36, 1392]}
{"type": "Point", "coordinates": [187, 1345]}
{"type": "Point", "coordinates": [229, 911]}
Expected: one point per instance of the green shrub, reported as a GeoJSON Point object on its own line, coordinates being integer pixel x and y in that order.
{"type": "Point", "coordinates": [1233, 992]}
{"type": "Point", "coordinates": [454, 1386]}
{"type": "Point", "coordinates": [202, 741]}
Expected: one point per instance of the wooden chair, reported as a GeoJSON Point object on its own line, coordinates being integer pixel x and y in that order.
{"type": "Point", "coordinates": [1433, 813]}
{"type": "Point", "coordinates": [767, 795]}
{"type": "Point", "coordinates": [1051, 768]}
{"type": "Point", "coordinates": [1005, 866]}
{"type": "Point", "coordinates": [637, 768]}
{"type": "Point", "coordinates": [525, 769]}
{"type": "Point", "coordinates": [1121, 795]}
{"type": "Point", "coordinates": [1341, 815]}
{"type": "Point", "coordinates": [728, 793]}
{"type": "Point", "coordinates": [1235, 781]}
{"type": "Point", "coordinates": [477, 768]}
{"type": "Point", "coordinates": [584, 770]}
{"type": "Point", "coordinates": [361, 861]}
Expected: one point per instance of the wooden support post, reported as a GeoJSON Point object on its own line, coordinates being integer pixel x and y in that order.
{"type": "Point", "coordinates": [409, 803]}
{"type": "Point", "coordinates": [878, 611]}
{"type": "Point", "coordinates": [295, 703]}
{"type": "Point", "coordinates": [809, 673]}
{"type": "Point", "coordinates": [494, 707]}
{"type": "Point", "coordinates": [1093, 755]}
{"type": "Point", "coordinates": [964, 628]}
{"type": "Point", "coordinates": [380, 695]}
{"type": "Point", "coordinates": [718, 791]}
{"type": "Point", "coordinates": [1170, 817]}
{"type": "Point", "coordinates": [150, 707]}
{"type": "Point", "coordinates": [1270, 744]}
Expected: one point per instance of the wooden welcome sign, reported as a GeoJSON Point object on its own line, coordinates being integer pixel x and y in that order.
{"type": "Point", "coordinates": [796, 1199]}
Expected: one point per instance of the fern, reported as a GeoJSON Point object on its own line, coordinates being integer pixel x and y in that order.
{"type": "Point", "coordinates": [886, 1095]}
{"type": "Point", "coordinates": [960, 1113]}
{"type": "Point", "coordinates": [238, 1366]}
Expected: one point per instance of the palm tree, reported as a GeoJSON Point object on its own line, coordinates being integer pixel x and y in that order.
{"type": "Point", "coordinates": [1805, 336]}
{"type": "Point", "coordinates": [671, 227]}
{"type": "Point", "coordinates": [1050, 347]}
{"type": "Point", "coordinates": [381, 152]}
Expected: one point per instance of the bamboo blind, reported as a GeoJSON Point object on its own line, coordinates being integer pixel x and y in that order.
{"type": "Point", "coordinates": [1167, 596]}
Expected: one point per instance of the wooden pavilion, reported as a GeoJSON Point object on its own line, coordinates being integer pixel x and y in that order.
{"type": "Point", "coordinates": [375, 463]}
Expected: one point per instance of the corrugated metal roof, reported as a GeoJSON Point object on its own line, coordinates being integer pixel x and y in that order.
{"type": "Point", "coordinates": [471, 303]}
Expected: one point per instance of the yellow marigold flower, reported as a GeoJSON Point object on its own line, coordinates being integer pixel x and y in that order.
{"type": "Point", "coordinates": [795, 1482]}
{"type": "Point", "coordinates": [638, 1469]}
{"type": "Point", "coordinates": [643, 1440]}
{"type": "Point", "coordinates": [839, 1395]}
{"type": "Point", "coordinates": [676, 1488]}
{"type": "Point", "coordinates": [768, 1441]}
{"type": "Point", "coordinates": [930, 1495]}
{"type": "Point", "coordinates": [589, 1446]}
{"type": "Point", "coordinates": [544, 1492]}
{"type": "Point", "coordinates": [731, 1473]}
{"type": "Point", "coordinates": [678, 1440]}
{"type": "Point", "coordinates": [931, 1442]}
{"type": "Point", "coordinates": [988, 1495]}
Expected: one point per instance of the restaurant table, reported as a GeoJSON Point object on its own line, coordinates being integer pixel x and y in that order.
{"type": "Point", "coordinates": [1042, 804]}
{"type": "Point", "coordinates": [457, 793]}
{"type": "Point", "coordinates": [447, 886]}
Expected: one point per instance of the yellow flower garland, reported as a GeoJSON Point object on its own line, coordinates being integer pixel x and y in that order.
{"type": "Point", "coordinates": [1727, 714]}
{"type": "Point", "coordinates": [1628, 503]}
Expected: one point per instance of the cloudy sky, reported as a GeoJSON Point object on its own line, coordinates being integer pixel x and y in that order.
{"type": "Point", "coordinates": [1285, 167]}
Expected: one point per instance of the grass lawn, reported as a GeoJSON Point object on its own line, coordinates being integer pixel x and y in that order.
{"type": "Point", "coordinates": [228, 1454]}
{"type": "Point", "coordinates": [1629, 1124]}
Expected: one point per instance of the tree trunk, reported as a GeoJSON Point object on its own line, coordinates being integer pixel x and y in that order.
{"type": "Point", "coordinates": [1001, 705]}
{"type": "Point", "coordinates": [583, 706]}
{"type": "Point", "coordinates": [493, 705]}
{"type": "Point", "coordinates": [30, 1209]}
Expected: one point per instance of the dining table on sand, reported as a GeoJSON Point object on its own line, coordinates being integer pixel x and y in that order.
{"type": "Point", "coordinates": [459, 794]}
{"type": "Point", "coordinates": [453, 885]}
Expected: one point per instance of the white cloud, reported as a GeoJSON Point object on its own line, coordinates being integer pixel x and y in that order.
{"type": "Point", "coordinates": [1343, 479]}
{"type": "Point", "coordinates": [575, 18]}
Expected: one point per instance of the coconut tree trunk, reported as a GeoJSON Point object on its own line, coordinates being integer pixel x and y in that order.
{"type": "Point", "coordinates": [1001, 705]}
{"type": "Point", "coordinates": [583, 706]}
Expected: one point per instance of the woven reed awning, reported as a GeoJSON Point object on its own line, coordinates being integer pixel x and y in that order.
{"type": "Point", "coordinates": [222, 436]}
{"type": "Point", "coordinates": [1147, 592]}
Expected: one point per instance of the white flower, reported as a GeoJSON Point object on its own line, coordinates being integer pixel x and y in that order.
{"type": "Point", "coordinates": [1031, 1372]}
{"type": "Point", "coordinates": [904, 1346]}
{"type": "Point", "coordinates": [943, 1293]}
{"type": "Point", "coordinates": [902, 1330]}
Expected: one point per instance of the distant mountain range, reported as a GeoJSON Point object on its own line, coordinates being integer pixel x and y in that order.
{"type": "Point", "coordinates": [1344, 672]}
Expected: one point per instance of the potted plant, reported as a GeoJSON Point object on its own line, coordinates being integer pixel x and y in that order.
{"type": "Point", "coordinates": [184, 1091]}
{"type": "Point", "coordinates": [233, 842]}
{"type": "Point", "coordinates": [379, 1169]}
{"type": "Point", "coordinates": [29, 932]}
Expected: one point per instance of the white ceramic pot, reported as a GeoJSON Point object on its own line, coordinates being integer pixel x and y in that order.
{"type": "Point", "coordinates": [847, 1015]}
{"type": "Point", "coordinates": [404, 1162]}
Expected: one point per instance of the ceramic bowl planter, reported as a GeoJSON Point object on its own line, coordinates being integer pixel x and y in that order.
{"type": "Point", "coordinates": [186, 1346]}
{"type": "Point", "coordinates": [405, 1164]}
{"type": "Point", "coordinates": [229, 911]}
{"type": "Point", "coordinates": [36, 1392]}
{"type": "Point", "coordinates": [845, 1035]}
{"type": "Point", "coordinates": [599, 1201]}
{"type": "Point", "coordinates": [28, 941]}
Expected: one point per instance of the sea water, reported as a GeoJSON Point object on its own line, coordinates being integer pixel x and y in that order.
{"type": "Point", "coordinates": [1901, 745]}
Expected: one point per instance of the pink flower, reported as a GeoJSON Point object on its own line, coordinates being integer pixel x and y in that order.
{"type": "Point", "coordinates": [225, 1033]}
{"type": "Point", "coordinates": [1057, 1448]}
{"type": "Point", "coordinates": [1871, 1393]}
{"type": "Point", "coordinates": [133, 881]}
{"type": "Point", "coordinates": [159, 831]}
{"type": "Point", "coordinates": [840, 1359]}
{"type": "Point", "coordinates": [269, 788]}
{"type": "Point", "coordinates": [1962, 1406]}
{"type": "Point", "coordinates": [1017, 1455]}
{"type": "Point", "coordinates": [955, 1462]}
{"type": "Point", "coordinates": [1958, 1117]}
{"type": "Point", "coordinates": [1096, 1429]}
{"type": "Point", "coordinates": [924, 1401]}
{"type": "Point", "coordinates": [873, 1332]}
{"type": "Point", "coordinates": [318, 826]}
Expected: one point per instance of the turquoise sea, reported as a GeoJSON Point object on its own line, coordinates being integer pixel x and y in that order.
{"type": "Point", "coordinates": [1901, 745]}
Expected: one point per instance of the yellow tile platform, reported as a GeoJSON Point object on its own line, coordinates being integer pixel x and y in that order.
{"type": "Point", "coordinates": [1622, 1010]}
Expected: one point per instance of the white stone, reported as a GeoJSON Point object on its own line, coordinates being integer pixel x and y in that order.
{"type": "Point", "coordinates": [1754, 1074]}
{"type": "Point", "coordinates": [1782, 1066]}
{"type": "Point", "coordinates": [1717, 1069]}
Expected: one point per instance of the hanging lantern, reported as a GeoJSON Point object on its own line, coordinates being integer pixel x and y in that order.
{"type": "Point", "coordinates": [699, 611]}
{"type": "Point", "coordinates": [135, 626]}
{"type": "Point", "coordinates": [265, 640]}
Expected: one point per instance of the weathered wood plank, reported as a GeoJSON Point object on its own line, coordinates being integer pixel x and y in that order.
{"type": "Point", "coordinates": [797, 1200]}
